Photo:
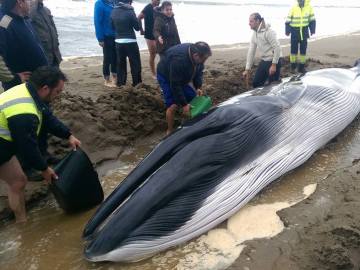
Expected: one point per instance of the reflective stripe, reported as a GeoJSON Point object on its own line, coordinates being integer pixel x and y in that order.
{"type": "Point", "coordinates": [302, 59]}
{"type": "Point", "coordinates": [16, 101]}
{"type": "Point", "coordinates": [4, 132]}
{"type": "Point", "coordinates": [293, 58]}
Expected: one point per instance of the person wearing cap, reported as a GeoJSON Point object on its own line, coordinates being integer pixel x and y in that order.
{"type": "Point", "coordinates": [180, 75]}
{"type": "Point", "coordinates": [263, 38]}
{"type": "Point", "coordinates": [19, 46]}
{"type": "Point", "coordinates": [23, 112]}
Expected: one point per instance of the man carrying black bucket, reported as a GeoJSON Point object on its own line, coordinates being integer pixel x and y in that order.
{"type": "Point", "coordinates": [180, 74]}
{"type": "Point", "coordinates": [23, 112]}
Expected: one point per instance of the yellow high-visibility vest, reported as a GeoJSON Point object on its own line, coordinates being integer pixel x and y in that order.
{"type": "Point", "coordinates": [301, 17]}
{"type": "Point", "coordinates": [15, 101]}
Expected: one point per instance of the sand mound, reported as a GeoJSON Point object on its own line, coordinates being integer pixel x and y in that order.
{"type": "Point", "coordinates": [113, 121]}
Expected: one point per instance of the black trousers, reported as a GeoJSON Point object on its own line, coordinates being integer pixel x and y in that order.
{"type": "Point", "coordinates": [131, 51]}
{"type": "Point", "coordinates": [262, 73]}
{"type": "Point", "coordinates": [109, 61]}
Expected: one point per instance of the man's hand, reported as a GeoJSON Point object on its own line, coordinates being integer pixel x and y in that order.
{"type": "Point", "coordinates": [101, 43]}
{"type": "Point", "coordinates": [161, 41]}
{"type": "Point", "coordinates": [272, 69]}
{"type": "Point", "coordinates": [200, 92]}
{"type": "Point", "coordinates": [186, 110]}
{"type": "Point", "coordinates": [74, 142]}
{"type": "Point", "coordinates": [49, 175]}
{"type": "Point", "coordinates": [246, 76]}
{"type": "Point", "coordinates": [24, 76]}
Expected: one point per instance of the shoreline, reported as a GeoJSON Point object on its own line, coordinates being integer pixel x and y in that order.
{"type": "Point", "coordinates": [240, 45]}
{"type": "Point", "coordinates": [118, 118]}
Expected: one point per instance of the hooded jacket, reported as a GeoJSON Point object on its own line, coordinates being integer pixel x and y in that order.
{"type": "Point", "coordinates": [102, 20]}
{"type": "Point", "coordinates": [44, 26]}
{"type": "Point", "coordinates": [300, 20]}
{"type": "Point", "coordinates": [269, 46]}
{"type": "Point", "coordinates": [165, 27]}
{"type": "Point", "coordinates": [124, 21]}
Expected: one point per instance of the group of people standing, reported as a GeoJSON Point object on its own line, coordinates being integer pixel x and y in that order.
{"type": "Point", "coordinates": [115, 25]}
{"type": "Point", "coordinates": [179, 71]}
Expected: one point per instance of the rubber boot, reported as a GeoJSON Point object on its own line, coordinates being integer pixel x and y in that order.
{"type": "Point", "coordinates": [301, 68]}
{"type": "Point", "coordinates": [293, 67]}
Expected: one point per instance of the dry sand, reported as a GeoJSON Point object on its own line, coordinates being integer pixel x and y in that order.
{"type": "Point", "coordinates": [107, 120]}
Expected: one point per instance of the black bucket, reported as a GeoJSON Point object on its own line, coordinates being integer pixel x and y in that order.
{"type": "Point", "coordinates": [78, 187]}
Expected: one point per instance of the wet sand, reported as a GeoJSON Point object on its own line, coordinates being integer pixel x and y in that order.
{"type": "Point", "coordinates": [322, 232]}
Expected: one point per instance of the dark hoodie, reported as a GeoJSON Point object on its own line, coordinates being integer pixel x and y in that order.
{"type": "Point", "coordinates": [124, 21]}
{"type": "Point", "coordinates": [165, 27]}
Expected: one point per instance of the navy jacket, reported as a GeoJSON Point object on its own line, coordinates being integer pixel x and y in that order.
{"type": "Point", "coordinates": [23, 129]}
{"type": "Point", "coordinates": [178, 69]}
{"type": "Point", "coordinates": [19, 46]}
{"type": "Point", "coordinates": [124, 21]}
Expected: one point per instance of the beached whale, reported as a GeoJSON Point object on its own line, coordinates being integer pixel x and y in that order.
{"type": "Point", "coordinates": [207, 170]}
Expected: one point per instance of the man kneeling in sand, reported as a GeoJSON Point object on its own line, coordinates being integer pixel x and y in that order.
{"type": "Point", "coordinates": [179, 73]}
{"type": "Point", "coordinates": [265, 39]}
{"type": "Point", "coordinates": [23, 113]}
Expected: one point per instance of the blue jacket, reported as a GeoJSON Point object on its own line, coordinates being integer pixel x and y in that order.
{"type": "Point", "coordinates": [178, 70]}
{"type": "Point", "coordinates": [19, 46]}
{"type": "Point", "coordinates": [102, 21]}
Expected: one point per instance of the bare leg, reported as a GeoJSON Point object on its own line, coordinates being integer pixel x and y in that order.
{"type": "Point", "coordinates": [12, 173]}
{"type": "Point", "coordinates": [170, 115]}
{"type": "Point", "coordinates": [152, 54]}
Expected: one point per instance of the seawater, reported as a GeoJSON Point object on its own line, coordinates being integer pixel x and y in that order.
{"type": "Point", "coordinates": [216, 22]}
